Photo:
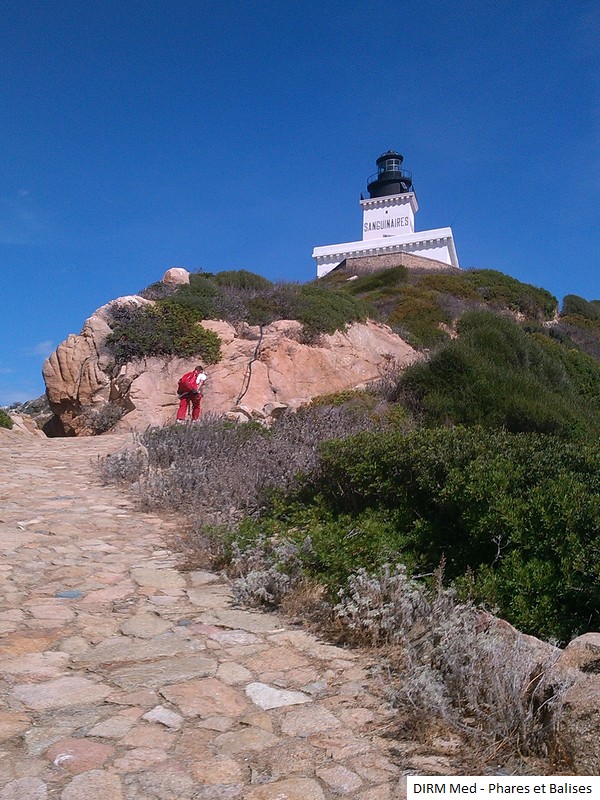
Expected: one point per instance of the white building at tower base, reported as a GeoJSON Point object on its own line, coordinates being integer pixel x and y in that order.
{"type": "Point", "coordinates": [389, 228]}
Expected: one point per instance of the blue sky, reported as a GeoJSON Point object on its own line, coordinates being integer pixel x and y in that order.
{"type": "Point", "coordinates": [143, 135]}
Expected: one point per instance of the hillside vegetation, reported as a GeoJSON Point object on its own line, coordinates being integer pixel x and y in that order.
{"type": "Point", "coordinates": [469, 481]}
{"type": "Point", "coordinates": [482, 457]}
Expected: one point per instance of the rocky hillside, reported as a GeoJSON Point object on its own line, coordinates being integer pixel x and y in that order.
{"type": "Point", "coordinates": [262, 369]}
{"type": "Point", "coordinates": [271, 346]}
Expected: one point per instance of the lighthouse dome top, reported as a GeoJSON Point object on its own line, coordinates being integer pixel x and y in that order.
{"type": "Point", "coordinates": [391, 155]}
{"type": "Point", "coordinates": [390, 178]}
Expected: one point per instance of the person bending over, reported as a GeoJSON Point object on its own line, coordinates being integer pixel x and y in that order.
{"type": "Point", "coordinates": [189, 392]}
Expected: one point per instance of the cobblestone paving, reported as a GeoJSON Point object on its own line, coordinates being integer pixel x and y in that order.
{"type": "Point", "coordinates": [123, 679]}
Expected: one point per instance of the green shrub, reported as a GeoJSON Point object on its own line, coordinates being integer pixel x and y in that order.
{"type": "Point", "coordinates": [201, 295]}
{"type": "Point", "coordinates": [242, 279]}
{"type": "Point", "coordinates": [418, 315]}
{"type": "Point", "coordinates": [501, 291]}
{"type": "Point", "coordinates": [579, 332]}
{"type": "Point", "coordinates": [323, 310]}
{"type": "Point", "coordinates": [278, 302]}
{"type": "Point", "coordinates": [341, 398]}
{"type": "Point", "coordinates": [577, 306]}
{"type": "Point", "coordinates": [383, 279]}
{"type": "Point", "coordinates": [458, 285]}
{"type": "Point", "coordinates": [158, 291]}
{"type": "Point", "coordinates": [101, 420]}
{"type": "Point", "coordinates": [583, 371]}
{"type": "Point", "coordinates": [164, 329]}
{"type": "Point", "coordinates": [515, 517]}
{"type": "Point", "coordinates": [5, 419]}
{"type": "Point", "coordinates": [498, 376]}
{"type": "Point", "coordinates": [318, 308]}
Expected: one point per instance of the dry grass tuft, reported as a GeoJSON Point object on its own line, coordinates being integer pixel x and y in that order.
{"type": "Point", "coordinates": [217, 471]}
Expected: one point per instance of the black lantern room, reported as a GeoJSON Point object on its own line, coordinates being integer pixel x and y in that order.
{"type": "Point", "coordinates": [390, 178]}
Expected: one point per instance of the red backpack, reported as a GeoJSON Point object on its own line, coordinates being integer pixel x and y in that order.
{"type": "Point", "coordinates": [187, 383]}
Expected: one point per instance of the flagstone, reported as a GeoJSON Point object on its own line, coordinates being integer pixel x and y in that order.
{"type": "Point", "coordinates": [220, 724]}
{"type": "Point", "coordinates": [233, 637]}
{"type": "Point", "coordinates": [13, 723]}
{"type": "Point", "coordinates": [145, 698]}
{"type": "Point", "coordinates": [50, 611]}
{"type": "Point", "coordinates": [121, 650]}
{"type": "Point", "coordinates": [232, 673]}
{"type": "Point", "coordinates": [79, 755]}
{"type": "Point", "coordinates": [308, 720]}
{"type": "Point", "coordinates": [144, 626]}
{"type": "Point", "coordinates": [61, 724]}
{"type": "Point", "coordinates": [258, 719]}
{"type": "Point", "coordinates": [35, 666]}
{"type": "Point", "coordinates": [140, 758]}
{"type": "Point", "coordinates": [200, 577]}
{"type": "Point", "coordinates": [73, 645]}
{"type": "Point", "coordinates": [149, 736]}
{"type": "Point", "coordinates": [117, 726]}
{"type": "Point", "coordinates": [94, 784]}
{"type": "Point", "coordinates": [290, 789]}
{"type": "Point", "coordinates": [206, 697]}
{"type": "Point", "coordinates": [219, 769]}
{"type": "Point", "coordinates": [24, 789]}
{"type": "Point", "coordinates": [60, 693]}
{"type": "Point", "coordinates": [165, 781]}
{"type": "Point", "coordinates": [268, 697]}
{"type": "Point", "coordinates": [382, 792]}
{"type": "Point", "coordinates": [158, 579]}
{"type": "Point", "coordinates": [376, 768]}
{"type": "Point", "coordinates": [340, 779]}
{"type": "Point", "coordinates": [245, 620]}
{"type": "Point", "coordinates": [146, 681]}
{"type": "Point", "coordinates": [163, 671]}
{"type": "Point", "coordinates": [108, 594]}
{"type": "Point", "coordinates": [165, 716]}
{"type": "Point", "coordinates": [245, 740]}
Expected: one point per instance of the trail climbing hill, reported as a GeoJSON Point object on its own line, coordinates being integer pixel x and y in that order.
{"type": "Point", "coordinates": [122, 678]}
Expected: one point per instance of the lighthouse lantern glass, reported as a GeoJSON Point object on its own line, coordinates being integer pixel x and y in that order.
{"type": "Point", "coordinates": [390, 165]}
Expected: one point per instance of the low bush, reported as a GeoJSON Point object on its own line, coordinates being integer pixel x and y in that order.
{"type": "Point", "coordinates": [241, 296]}
{"type": "Point", "coordinates": [579, 332]}
{"type": "Point", "coordinates": [445, 662]}
{"type": "Point", "coordinates": [418, 304]}
{"type": "Point", "coordinates": [355, 396]}
{"type": "Point", "coordinates": [323, 310]}
{"type": "Point", "coordinates": [101, 420]}
{"type": "Point", "coordinates": [277, 302]}
{"type": "Point", "coordinates": [220, 470]}
{"type": "Point", "coordinates": [458, 285]}
{"type": "Point", "coordinates": [158, 291]}
{"type": "Point", "coordinates": [418, 316]}
{"type": "Point", "coordinates": [5, 419]}
{"type": "Point", "coordinates": [201, 295]}
{"type": "Point", "coordinates": [453, 667]}
{"type": "Point", "coordinates": [375, 281]}
{"type": "Point", "coordinates": [502, 291]}
{"type": "Point", "coordinates": [164, 329]}
{"type": "Point", "coordinates": [242, 279]}
{"type": "Point", "coordinates": [577, 306]}
{"type": "Point", "coordinates": [516, 518]}
{"type": "Point", "coordinates": [498, 376]}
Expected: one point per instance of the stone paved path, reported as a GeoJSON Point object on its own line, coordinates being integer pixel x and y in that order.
{"type": "Point", "coordinates": [122, 679]}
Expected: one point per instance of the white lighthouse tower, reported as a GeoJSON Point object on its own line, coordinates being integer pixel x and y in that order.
{"type": "Point", "coordinates": [389, 223]}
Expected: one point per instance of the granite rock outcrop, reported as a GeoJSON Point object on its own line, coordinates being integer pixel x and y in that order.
{"type": "Point", "coordinates": [262, 372]}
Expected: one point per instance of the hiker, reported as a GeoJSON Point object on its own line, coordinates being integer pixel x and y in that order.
{"type": "Point", "coordinates": [189, 391]}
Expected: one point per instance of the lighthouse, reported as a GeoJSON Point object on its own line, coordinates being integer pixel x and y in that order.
{"type": "Point", "coordinates": [388, 224]}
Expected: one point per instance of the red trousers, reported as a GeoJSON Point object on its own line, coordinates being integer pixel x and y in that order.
{"type": "Point", "coordinates": [190, 398]}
